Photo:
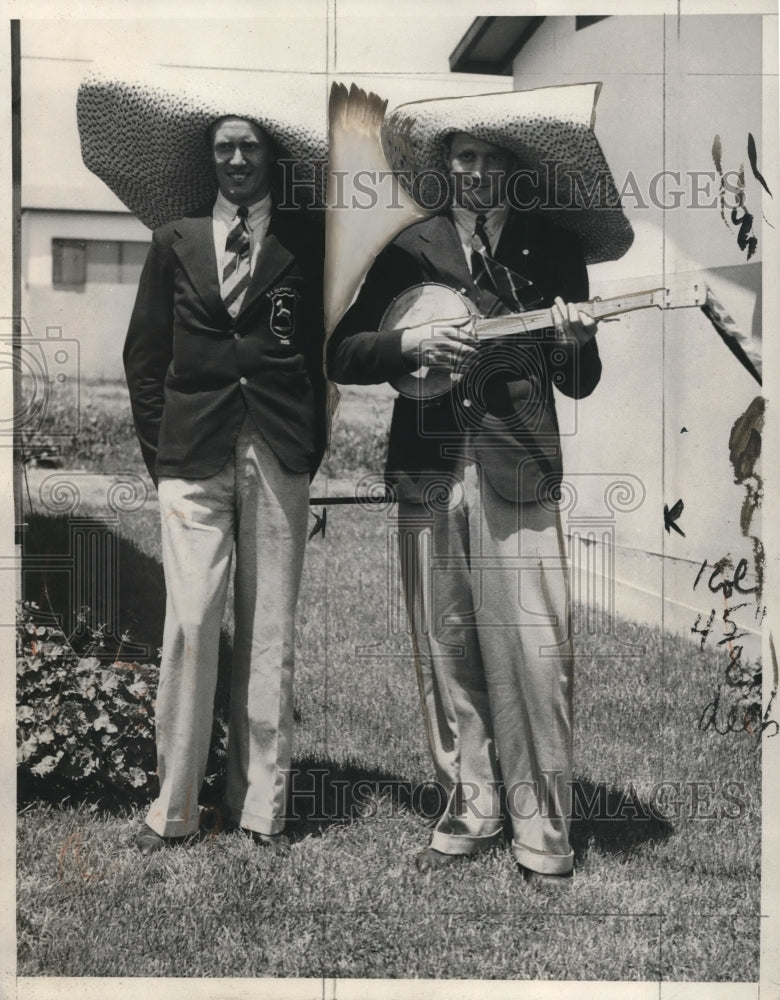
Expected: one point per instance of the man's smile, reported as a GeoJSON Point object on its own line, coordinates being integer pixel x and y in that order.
{"type": "Point", "coordinates": [243, 157]}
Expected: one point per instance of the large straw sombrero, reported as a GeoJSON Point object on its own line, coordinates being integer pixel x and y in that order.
{"type": "Point", "coordinates": [144, 133]}
{"type": "Point", "coordinates": [550, 132]}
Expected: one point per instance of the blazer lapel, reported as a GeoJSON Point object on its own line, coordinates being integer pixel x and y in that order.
{"type": "Point", "coordinates": [195, 250]}
{"type": "Point", "coordinates": [444, 253]}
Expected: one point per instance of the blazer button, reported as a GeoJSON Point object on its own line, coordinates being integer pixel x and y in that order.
{"type": "Point", "coordinates": [243, 381]}
{"type": "Point", "coordinates": [467, 403]}
{"type": "Point", "coordinates": [236, 336]}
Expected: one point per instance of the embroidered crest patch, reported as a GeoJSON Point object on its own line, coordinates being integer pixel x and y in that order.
{"type": "Point", "coordinates": [284, 304]}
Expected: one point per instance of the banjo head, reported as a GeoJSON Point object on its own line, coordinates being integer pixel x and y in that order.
{"type": "Point", "coordinates": [426, 303]}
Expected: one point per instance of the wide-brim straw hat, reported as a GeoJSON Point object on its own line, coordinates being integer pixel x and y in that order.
{"type": "Point", "coordinates": [550, 133]}
{"type": "Point", "coordinates": [144, 133]}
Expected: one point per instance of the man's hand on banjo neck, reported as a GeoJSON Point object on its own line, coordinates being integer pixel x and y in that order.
{"type": "Point", "coordinates": [449, 344]}
{"type": "Point", "coordinates": [572, 326]}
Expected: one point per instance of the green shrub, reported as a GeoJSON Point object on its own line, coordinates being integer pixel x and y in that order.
{"type": "Point", "coordinates": [85, 729]}
{"type": "Point", "coordinates": [356, 448]}
{"type": "Point", "coordinates": [103, 438]}
{"type": "Point", "coordinates": [89, 427]}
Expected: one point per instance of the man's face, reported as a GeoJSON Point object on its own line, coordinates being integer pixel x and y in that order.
{"type": "Point", "coordinates": [479, 171]}
{"type": "Point", "coordinates": [243, 158]}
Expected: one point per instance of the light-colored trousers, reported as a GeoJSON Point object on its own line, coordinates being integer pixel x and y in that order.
{"type": "Point", "coordinates": [258, 505]}
{"type": "Point", "coordinates": [486, 587]}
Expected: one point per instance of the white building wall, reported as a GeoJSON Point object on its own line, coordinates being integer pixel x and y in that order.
{"type": "Point", "coordinates": [96, 316]}
{"type": "Point", "coordinates": [671, 390]}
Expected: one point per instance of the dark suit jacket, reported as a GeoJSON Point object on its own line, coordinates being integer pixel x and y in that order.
{"type": "Point", "coordinates": [506, 401]}
{"type": "Point", "coordinates": [193, 371]}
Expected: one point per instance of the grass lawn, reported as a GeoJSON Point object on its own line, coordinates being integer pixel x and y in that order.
{"type": "Point", "coordinates": [667, 885]}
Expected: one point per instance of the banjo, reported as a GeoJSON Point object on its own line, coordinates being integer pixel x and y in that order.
{"type": "Point", "coordinates": [434, 303]}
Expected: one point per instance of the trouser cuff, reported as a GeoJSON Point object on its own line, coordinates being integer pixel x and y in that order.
{"type": "Point", "coordinates": [155, 819]}
{"type": "Point", "coordinates": [451, 843]}
{"type": "Point", "coordinates": [259, 824]}
{"type": "Point", "coordinates": [542, 862]}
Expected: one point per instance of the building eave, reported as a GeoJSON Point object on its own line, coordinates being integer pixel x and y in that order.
{"type": "Point", "coordinates": [491, 44]}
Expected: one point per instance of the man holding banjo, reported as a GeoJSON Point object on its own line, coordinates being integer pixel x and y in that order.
{"type": "Point", "coordinates": [474, 456]}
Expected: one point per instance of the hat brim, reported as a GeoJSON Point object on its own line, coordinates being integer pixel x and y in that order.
{"type": "Point", "coordinates": [145, 136]}
{"type": "Point", "coordinates": [562, 170]}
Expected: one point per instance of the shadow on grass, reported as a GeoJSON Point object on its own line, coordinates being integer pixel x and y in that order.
{"type": "Point", "coordinates": [324, 793]}
{"type": "Point", "coordinates": [612, 820]}
{"type": "Point", "coordinates": [97, 585]}
{"type": "Point", "coordinates": [125, 591]}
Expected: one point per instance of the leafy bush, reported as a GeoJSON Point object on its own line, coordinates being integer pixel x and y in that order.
{"type": "Point", "coordinates": [357, 448]}
{"type": "Point", "coordinates": [93, 430]}
{"type": "Point", "coordinates": [90, 427]}
{"type": "Point", "coordinates": [85, 729]}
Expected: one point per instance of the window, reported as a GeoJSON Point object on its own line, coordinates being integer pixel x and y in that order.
{"type": "Point", "coordinates": [78, 263]}
{"type": "Point", "coordinates": [69, 263]}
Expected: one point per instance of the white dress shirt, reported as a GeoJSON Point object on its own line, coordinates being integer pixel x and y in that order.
{"type": "Point", "coordinates": [224, 214]}
{"type": "Point", "coordinates": [465, 219]}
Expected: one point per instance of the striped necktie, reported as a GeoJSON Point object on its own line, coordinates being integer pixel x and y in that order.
{"type": "Point", "coordinates": [235, 274]}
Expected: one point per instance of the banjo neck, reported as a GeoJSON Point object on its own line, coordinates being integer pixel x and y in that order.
{"type": "Point", "coordinates": [431, 301]}
{"type": "Point", "coordinates": [493, 327]}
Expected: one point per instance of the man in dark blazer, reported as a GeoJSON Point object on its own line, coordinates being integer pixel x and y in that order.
{"type": "Point", "coordinates": [224, 366]}
{"type": "Point", "coordinates": [476, 472]}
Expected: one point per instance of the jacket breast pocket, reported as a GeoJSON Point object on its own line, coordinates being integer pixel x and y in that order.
{"type": "Point", "coordinates": [285, 306]}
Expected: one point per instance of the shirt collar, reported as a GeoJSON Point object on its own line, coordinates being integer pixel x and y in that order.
{"type": "Point", "coordinates": [260, 211]}
{"type": "Point", "coordinates": [465, 218]}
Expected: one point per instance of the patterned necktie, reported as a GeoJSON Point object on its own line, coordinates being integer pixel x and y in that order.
{"type": "Point", "coordinates": [515, 292]}
{"type": "Point", "coordinates": [480, 248]}
{"type": "Point", "coordinates": [235, 274]}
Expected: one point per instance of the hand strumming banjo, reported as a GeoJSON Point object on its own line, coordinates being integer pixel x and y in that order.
{"type": "Point", "coordinates": [435, 303]}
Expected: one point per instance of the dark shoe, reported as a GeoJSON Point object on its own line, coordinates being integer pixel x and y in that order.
{"type": "Point", "coordinates": [212, 822]}
{"type": "Point", "coordinates": [543, 880]}
{"type": "Point", "coordinates": [279, 843]}
{"type": "Point", "coordinates": [148, 841]}
{"type": "Point", "coordinates": [431, 860]}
